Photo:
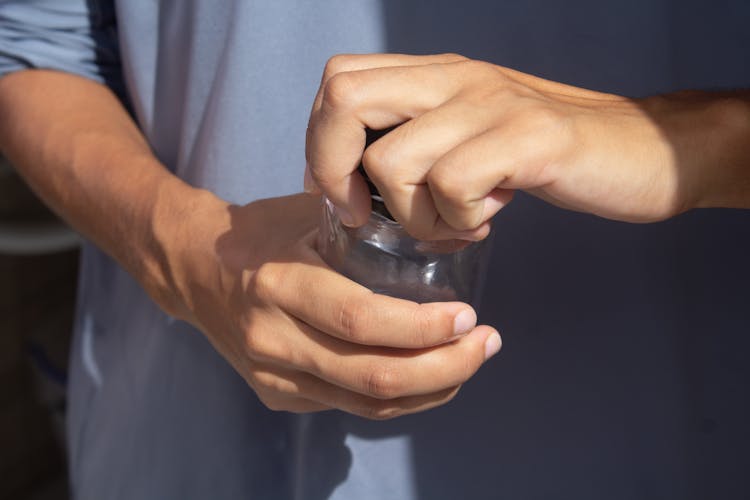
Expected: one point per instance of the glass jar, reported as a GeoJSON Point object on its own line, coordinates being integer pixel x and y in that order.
{"type": "Point", "coordinates": [383, 257]}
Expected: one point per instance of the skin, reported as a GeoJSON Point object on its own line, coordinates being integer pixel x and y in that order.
{"type": "Point", "coordinates": [249, 277]}
{"type": "Point", "coordinates": [471, 133]}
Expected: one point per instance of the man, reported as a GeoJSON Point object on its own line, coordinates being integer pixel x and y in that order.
{"type": "Point", "coordinates": [220, 94]}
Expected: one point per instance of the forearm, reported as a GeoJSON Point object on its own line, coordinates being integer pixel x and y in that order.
{"type": "Point", "coordinates": [77, 147]}
{"type": "Point", "coordinates": [304, 337]}
{"type": "Point", "coordinates": [709, 135]}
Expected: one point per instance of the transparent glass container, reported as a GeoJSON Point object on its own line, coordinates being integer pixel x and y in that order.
{"type": "Point", "coordinates": [383, 257]}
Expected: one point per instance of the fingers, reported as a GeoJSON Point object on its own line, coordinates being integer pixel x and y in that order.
{"type": "Point", "coordinates": [518, 154]}
{"type": "Point", "coordinates": [277, 402]}
{"type": "Point", "coordinates": [474, 133]}
{"type": "Point", "coordinates": [342, 308]}
{"type": "Point", "coordinates": [308, 339]}
{"type": "Point", "coordinates": [334, 372]}
{"type": "Point", "coordinates": [344, 63]}
{"type": "Point", "coordinates": [288, 390]}
{"type": "Point", "coordinates": [387, 373]}
{"type": "Point", "coordinates": [497, 199]}
{"type": "Point", "coordinates": [280, 389]}
{"type": "Point", "coordinates": [400, 162]}
{"type": "Point", "coordinates": [349, 102]}
{"type": "Point", "coordinates": [334, 329]}
{"type": "Point", "coordinates": [464, 199]}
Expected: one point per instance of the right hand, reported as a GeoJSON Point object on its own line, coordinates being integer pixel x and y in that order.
{"type": "Point", "coordinates": [306, 338]}
{"type": "Point", "coordinates": [470, 133]}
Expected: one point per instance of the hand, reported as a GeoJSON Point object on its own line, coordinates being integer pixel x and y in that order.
{"type": "Point", "coordinates": [304, 337]}
{"type": "Point", "coordinates": [249, 277]}
{"type": "Point", "coordinates": [473, 132]}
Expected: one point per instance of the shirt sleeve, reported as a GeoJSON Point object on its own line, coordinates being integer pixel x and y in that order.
{"type": "Point", "coordinates": [75, 36]}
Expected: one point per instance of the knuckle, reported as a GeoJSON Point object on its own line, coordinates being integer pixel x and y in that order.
{"type": "Point", "coordinates": [446, 183]}
{"type": "Point", "coordinates": [479, 69]}
{"type": "Point", "coordinates": [475, 65]}
{"type": "Point", "coordinates": [379, 158]}
{"type": "Point", "coordinates": [324, 176]}
{"type": "Point", "coordinates": [541, 118]}
{"type": "Point", "coordinates": [255, 345]}
{"type": "Point", "coordinates": [335, 65]}
{"type": "Point", "coordinates": [265, 280]}
{"type": "Point", "coordinates": [263, 344]}
{"type": "Point", "coordinates": [340, 91]}
{"type": "Point", "coordinates": [456, 199]}
{"type": "Point", "coordinates": [383, 382]}
{"type": "Point", "coordinates": [387, 168]}
{"type": "Point", "coordinates": [453, 57]}
{"type": "Point", "coordinates": [425, 325]}
{"type": "Point", "coordinates": [354, 319]}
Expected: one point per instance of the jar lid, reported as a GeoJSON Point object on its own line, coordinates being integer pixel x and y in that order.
{"type": "Point", "coordinates": [378, 205]}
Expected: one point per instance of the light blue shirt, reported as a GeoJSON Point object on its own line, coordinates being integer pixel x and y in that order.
{"type": "Point", "coordinates": [624, 372]}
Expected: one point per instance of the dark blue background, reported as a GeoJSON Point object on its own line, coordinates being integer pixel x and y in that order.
{"type": "Point", "coordinates": [623, 373]}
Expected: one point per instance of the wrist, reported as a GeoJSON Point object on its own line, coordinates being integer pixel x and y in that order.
{"type": "Point", "coordinates": [179, 244]}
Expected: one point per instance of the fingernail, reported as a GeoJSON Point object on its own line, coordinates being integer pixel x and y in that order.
{"type": "Point", "coordinates": [309, 183]}
{"type": "Point", "coordinates": [346, 217]}
{"type": "Point", "coordinates": [492, 345]}
{"type": "Point", "coordinates": [464, 322]}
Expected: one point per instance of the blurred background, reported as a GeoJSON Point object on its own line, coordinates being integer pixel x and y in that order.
{"type": "Point", "coordinates": [38, 268]}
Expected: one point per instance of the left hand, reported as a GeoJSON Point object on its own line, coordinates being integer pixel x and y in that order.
{"type": "Point", "coordinates": [473, 132]}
